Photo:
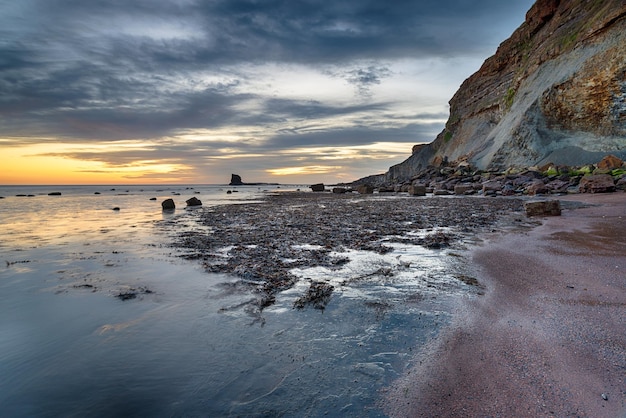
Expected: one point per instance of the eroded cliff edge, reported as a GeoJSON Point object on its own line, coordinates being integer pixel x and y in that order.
{"type": "Point", "coordinates": [555, 91]}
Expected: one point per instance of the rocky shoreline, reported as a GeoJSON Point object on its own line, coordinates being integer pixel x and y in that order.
{"type": "Point", "coordinates": [459, 177]}
{"type": "Point", "coordinates": [262, 243]}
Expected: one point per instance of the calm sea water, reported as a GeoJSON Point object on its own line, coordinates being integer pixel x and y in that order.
{"type": "Point", "coordinates": [69, 347]}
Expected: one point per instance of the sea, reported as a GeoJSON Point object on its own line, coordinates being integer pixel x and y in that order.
{"type": "Point", "coordinates": [72, 344]}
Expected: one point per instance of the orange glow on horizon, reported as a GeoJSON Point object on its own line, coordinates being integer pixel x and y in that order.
{"type": "Point", "coordinates": [44, 164]}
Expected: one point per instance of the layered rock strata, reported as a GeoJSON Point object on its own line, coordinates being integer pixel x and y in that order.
{"type": "Point", "coordinates": [555, 91]}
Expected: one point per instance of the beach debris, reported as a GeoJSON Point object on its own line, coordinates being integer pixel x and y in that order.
{"type": "Point", "coordinates": [543, 208]}
{"type": "Point", "coordinates": [168, 204]}
{"type": "Point", "coordinates": [194, 201]}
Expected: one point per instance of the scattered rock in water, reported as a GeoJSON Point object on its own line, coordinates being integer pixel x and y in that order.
{"type": "Point", "coordinates": [86, 286]}
{"type": "Point", "coordinates": [126, 295]}
{"type": "Point", "coordinates": [153, 198]}
{"type": "Point", "coordinates": [319, 187]}
{"type": "Point", "coordinates": [194, 201]}
{"type": "Point", "coordinates": [10, 263]}
{"type": "Point", "coordinates": [229, 192]}
{"type": "Point", "coordinates": [96, 192]}
{"type": "Point", "coordinates": [543, 208]}
{"type": "Point", "coordinates": [132, 293]}
{"type": "Point", "coordinates": [318, 296]}
{"type": "Point", "coordinates": [468, 280]}
{"type": "Point", "coordinates": [54, 194]}
{"type": "Point", "coordinates": [116, 209]}
{"type": "Point", "coordinates": [168, 204]}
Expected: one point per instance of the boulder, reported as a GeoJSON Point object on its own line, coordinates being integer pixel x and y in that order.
{"type": "Point", "coordinates": [558, 186]}
{"type": "Point", "coordinates": [168, 204]}
{"type": "Point", "coordinates": [596, 183]}
{"type": "Point", "coordinates": [463, 188]}
{"type": "Point", "coordinates": [54, 194]}
{"type": "Point", "coordinates": [620, 184]}
{"type": "Point", "coordinates": [365, 189]}
{"type": "Point", "coordinates": [536, 187]}
{"type": "Point", "coordinates": [491, 186]}
{"type": "Point", "coordinates": [319, 187]}
{"type": "Point", "coordinates": [417, 190]}
{"type": "Point", "coordinates": [610, 162]}
{"type": "Point", "coordinates": [543, 208]}
{"type": "Point", "coordinates": [442, 192]}
{"type": "Point", "coordinates": [194, 201]}
{"type": "Point", "coordinates": [339, 190]}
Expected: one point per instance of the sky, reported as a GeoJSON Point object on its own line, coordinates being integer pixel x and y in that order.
{"type": "Point", "coordinates": [190, 91]}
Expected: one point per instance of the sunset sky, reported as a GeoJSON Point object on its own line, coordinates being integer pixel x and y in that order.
{"type": "Point", "coordinates": [190, 91]}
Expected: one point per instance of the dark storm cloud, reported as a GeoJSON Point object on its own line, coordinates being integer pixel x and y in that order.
{"type": "Point", "coordinates": [118, 69]}
{"type": "Point", "coordinates": [353, 136]}
{"type": "Point", "coordinates": [285, 108]}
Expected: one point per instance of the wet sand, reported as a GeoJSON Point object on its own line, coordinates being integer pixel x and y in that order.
{"type": "Point", "coordinates": [549, 336]}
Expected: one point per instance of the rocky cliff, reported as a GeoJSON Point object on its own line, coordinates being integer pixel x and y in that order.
{"type": "Point", "coordinates": [555, 91]}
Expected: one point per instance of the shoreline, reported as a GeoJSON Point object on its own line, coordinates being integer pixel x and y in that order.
{"type": "Point", "coordinates": [547, 339]}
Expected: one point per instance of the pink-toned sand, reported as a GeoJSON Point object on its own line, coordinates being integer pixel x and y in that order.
{"type": "Point", "coordinates": [549, 336]}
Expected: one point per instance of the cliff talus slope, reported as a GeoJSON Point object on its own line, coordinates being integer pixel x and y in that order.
{"type": "Point", "coordinates": [555, 91]}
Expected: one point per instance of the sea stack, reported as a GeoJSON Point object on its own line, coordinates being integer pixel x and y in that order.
{"type": "Point", "coordinates": [235, 180]}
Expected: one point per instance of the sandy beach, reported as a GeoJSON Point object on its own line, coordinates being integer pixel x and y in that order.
{"type": "Point", "coordinates": [548, 337]}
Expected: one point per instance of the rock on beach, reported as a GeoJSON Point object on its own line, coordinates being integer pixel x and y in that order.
{"type": "Point", "coordinates": [194, 201]}
{"type": "Point", "coordinates": [168, 204]}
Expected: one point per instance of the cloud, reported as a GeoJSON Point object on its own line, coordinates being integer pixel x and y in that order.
{"type": "Point", "coordinates": [190, 78]}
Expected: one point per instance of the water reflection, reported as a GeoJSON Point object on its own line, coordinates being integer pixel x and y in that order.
{"type": "Point", "coordinates": [69, 348]}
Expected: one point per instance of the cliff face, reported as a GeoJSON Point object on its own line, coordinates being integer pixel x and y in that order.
{"type": "Point", "coordinates": [555, 91]}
